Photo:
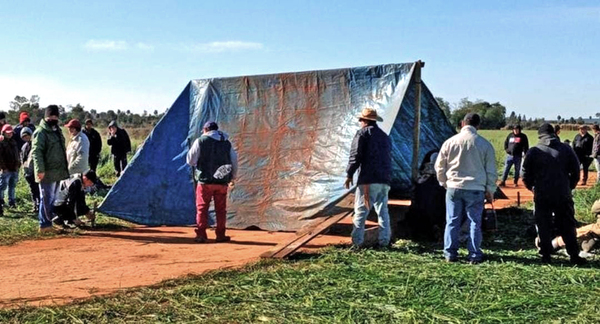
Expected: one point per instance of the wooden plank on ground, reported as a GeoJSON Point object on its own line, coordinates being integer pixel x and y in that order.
{"type": "Point", "coordinates": [303, 236]}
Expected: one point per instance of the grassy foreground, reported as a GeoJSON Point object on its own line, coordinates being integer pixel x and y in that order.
{"type": "Point", "coordinates": [407, 283]}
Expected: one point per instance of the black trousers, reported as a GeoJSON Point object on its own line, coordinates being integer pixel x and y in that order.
{"type": "Point", "coordinates": [93, 160]}
{"type": "Point", "coordinates": [34, 188]}
{"type": "Point", "coordinates": [120, 163]}
{"type": "Point", "coordinates": [585, 163]}
{"type": "Point", "coordinates": [65, 212]}
{"type": "Point", "coordinates": [563, 220]}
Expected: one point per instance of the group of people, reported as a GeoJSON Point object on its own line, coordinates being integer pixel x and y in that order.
{"type": "Point", "coordinates": [58, 175]}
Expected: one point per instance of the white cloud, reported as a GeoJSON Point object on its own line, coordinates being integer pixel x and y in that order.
{"type": "Point", "coordinates": [144, 46]}
{"type": "Point", "coordinates": [225, 46]}
{"type": "Point", "coordinates": [106, 45]}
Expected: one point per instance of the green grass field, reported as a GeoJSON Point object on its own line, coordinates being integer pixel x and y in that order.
{"type": "Point", "coordinates": [407, 283]}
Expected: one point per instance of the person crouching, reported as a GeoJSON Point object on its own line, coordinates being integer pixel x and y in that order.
{"type": "Point", "coordinates": [70, 200]}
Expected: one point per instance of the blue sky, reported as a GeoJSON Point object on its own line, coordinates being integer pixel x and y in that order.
{"type": "Point", "coordinates": [539, 58]}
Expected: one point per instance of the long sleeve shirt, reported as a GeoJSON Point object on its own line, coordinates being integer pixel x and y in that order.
{"type": "Point", "coordinates": [467, 161]}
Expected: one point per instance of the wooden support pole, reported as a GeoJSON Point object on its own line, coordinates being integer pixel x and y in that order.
{"type": "Point", "coordinates": [417, 123]}
{"type": "Point", "coordinates": [518, 199]}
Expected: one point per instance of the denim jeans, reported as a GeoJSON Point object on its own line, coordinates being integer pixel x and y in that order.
{"type": "Point", "coordinates": [508, 163]}
{"type": "Point", "coordinates": [48, 191]}
{"type": "Point", "coordinates": [462, 203]}
{"type": "Point", "coordinates": [8, 179]}
{"type": "Point", "coordinates": [371, 196]}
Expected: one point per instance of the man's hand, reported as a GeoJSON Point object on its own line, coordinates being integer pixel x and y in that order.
{"type": "Point", "coordinates": [41, 175]}
{"type": "Point", "coordinates": [489, 197]}
{"type": "Point", "coordinates": [348, 183]}
{"type": "Point", "coordinates": [231, 185]}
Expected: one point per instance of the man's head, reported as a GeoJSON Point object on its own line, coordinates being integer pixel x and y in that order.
{"type": "Point", "coordinates": [583, 129]}
{"type": "Point", "coordinates": [557, 129]}
{"type": "Point", "coordinates": [89, 124]}
{"type": "Point", "coordinates": [112, 127]}
{"type": "Point", "coordinates": [210, 126]}
{"type": "Point", "coordinates": [7, 131]}
{"type": "Point", "coordinates": [24, 118]}
{"type": "Point", "coordinates": [517, 129]}
{"type": "Point", "coordinates": [89, 178]}
{"type": "Point", "coordinates": [546, 129]}
{"type": "Point", "coordinates": [2, 118]}
{"type": "Point", "coordinates": [596, 128]}
{"type": "Point", "coordinates": [74, 126]}
{"type": "Point", "coordinates": [368, 116]}
{"type": "Point", "coordinates": [26, 134]}
{"type": "Point", "coordinates": [51, 115]}
{"type": "Point", "coordinates": [471, 119]}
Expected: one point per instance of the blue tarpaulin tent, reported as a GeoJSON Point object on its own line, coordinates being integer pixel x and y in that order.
{"type": "Point", "coordinates": [292, 133]}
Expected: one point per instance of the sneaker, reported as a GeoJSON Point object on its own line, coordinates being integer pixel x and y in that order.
{"type": "Point", "coordinates": [546, 259]}
{"type": "Point", "coordinates": [577, 260]}
{"type": "Point", "coordinates": [58, 221]}
{"type": "Point", "coordinates": [200, 239]}
{"type": "Point", "coordinates": [223, 239]}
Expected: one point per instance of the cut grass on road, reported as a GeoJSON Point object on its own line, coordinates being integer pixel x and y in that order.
{"type": "Point", "coordinates": [407, 283]}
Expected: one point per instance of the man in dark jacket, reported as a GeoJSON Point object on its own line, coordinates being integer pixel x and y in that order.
{"type": "Point", "coordinates": [9, 166]}
{"type": "Point", "coordinates": [70, 199]}
{"type": "Point", "coordinates": [551, 171]}
{"type": "Point", "coordinates": [27, 163]}
{"type": "Point", "coordinates": [515, 146]}
{"type": "Point", "coordinates": [371, 152]}
{"type": "Point", "coordinates": [24, 122]}
{"type": "Point", "coordinates": [583, 144]}
{"type": "Point", "coordinates": [215, 162]}
{"type": "Point", "coordinates": [49, 162]}
{"type": "Point", "coordinates": [596, 151]}
{"type": "Point", "coordinates": [120, 145]}
{"type": "Point", "coordinates": [95, 144]}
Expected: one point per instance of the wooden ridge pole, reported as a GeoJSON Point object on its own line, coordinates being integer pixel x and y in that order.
{"type": "Point", "coordinates": [417, 124]}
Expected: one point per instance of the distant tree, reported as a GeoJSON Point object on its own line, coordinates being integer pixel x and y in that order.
{"type": "Point", "coordinates": [572, 120]}
{"type": "Point", "coordinates": [558, 118]}
{"type": "Point", "coordinates": [444, 105]}
{"type": "Point", "coordinates": [493, 116]}
{"type": "Point", "coordinates": [580, 121]}
{"type": "Point", "coordinates": [598, 115]}
{"type": "Point", "coordinates": [156, 113]}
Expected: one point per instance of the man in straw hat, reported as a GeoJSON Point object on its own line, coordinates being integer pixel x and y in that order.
{"type": "Point", "coordinates": [582, 144]}
{"type": "Point", "coordinates": [371, 152]}
{"type": "Point", "coordinates": [466, 166]}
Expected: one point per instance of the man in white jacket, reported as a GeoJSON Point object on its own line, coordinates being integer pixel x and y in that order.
{"type": "Point", "coordinates": [78, 150]}
{"type": "Point", "coordinates": [466, 167]}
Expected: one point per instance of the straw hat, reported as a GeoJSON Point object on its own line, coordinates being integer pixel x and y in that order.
{"type": "Point", "coordinates": [369, 114]}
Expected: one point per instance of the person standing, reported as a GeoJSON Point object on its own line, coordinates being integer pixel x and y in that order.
{"type": "Point", "coordinates": [215, 161]}
{"type": "Point", "coordinates": [515, 146]}
{"type": "Point", "coordinates": [34, 188]}
{"type": "Point", "coordinates": [596, 151]}
{"type": "Point", "coordinates": [2, 119]}
{"type": "Point", "coordinates": [9, 166]}
{"type": "Point", "coordinates": [78, 150]}
{"type": "Point", "coordinates": [371, 153]}
{"type": "Point", "coordinates": [49, 162]}
{"type": "Point", "coordinates": [551, 171]}
{"type": "Point", "coordinates": [95, 144]}
{"type": "Point", "coordinates": [466, 167]}
{"type": "Point", "coordinates": [118, 140]}
{"type": "Point", "coordinates": [24, 122]}
{"type": "Point", "coordinates": [583, 144]}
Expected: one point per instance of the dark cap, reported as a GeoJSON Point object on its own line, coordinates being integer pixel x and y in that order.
{"type": "Point", "coordinates": [2, 115]}
{"type": "Point", "coordinates": [517, 127]}
{"type": "Point", "coordinates": [546, 129]}
{"type": "Point", "coordinates": [89, 121]}
{"type": "Point", "coordinates": [91, 175]}
{"type": "Point", "coordinates": [595, 127]}
{"type": "Point", "coordinates": [211, 125]}
{"type": "Point", "coordinates": [113, 124]}
{"type": "Point", "coordinates": [51, 110]}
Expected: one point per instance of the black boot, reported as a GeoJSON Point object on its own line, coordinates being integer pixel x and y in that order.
{"type": "Point", "coordinates": [1, 207]}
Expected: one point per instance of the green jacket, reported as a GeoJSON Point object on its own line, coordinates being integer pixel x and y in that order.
{"type": "Point", "coordinates": [48, 154]}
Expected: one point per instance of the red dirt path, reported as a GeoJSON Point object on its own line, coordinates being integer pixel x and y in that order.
{"type": "Point", "coordinates": [58, 271]}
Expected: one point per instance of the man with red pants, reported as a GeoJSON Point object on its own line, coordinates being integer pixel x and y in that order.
{"type": "Point", "coordinates": [215, 161]}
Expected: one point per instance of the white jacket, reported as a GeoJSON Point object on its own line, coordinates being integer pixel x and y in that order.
{"type": "Point", "coordinates": [78, 153]}
{"type": "Point", "coordinates": [467, 161]}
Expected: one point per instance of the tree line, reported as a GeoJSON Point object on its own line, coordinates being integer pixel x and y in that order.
{"type": "Point", "coordinates": [101, 119]}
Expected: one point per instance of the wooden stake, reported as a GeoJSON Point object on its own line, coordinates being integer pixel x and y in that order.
{"type": "Point", "coordinates": [417, 123]}
{"type": "Point", "coordinates": [518, 199]}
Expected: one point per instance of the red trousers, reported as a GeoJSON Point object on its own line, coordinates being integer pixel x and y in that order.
{"type": "Point", "coordinates": [204, 194]}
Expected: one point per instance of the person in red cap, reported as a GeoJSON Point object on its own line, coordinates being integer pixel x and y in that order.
{"type": "Point", "coordinates": [78, 150]}
{"type": "Point", "coordinates": [24, 122]}
{"type": "Point", "coordinates": [9, 166]}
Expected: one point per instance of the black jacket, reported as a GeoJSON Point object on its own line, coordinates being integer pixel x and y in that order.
{"type": "Point", "coordinates": [371, 152]}
{"type": "Point", "coordinates": [550, 170]}
{"type": "Point", "coordinates": [9, 155]}
{"type": "Point", "coordinates": [95, 141]}
{"type": "Point", "coordinates": [516, 145]}
{"type": "Point", "coordinates": [17, 134]}
{"type": "Point", "coordinates": [583, 145]}
{"type": "Point", "coordinates": [71, 194]}
{"type": "Point", "coordinates": [120, 143]}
